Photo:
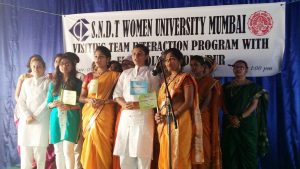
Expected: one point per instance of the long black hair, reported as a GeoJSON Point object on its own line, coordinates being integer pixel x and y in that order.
{"type": "Point", "coordinates": [58, 77]}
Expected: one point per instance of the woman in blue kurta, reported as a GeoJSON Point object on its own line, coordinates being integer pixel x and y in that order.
{"type": "Point", "coordinates": [64, 118]}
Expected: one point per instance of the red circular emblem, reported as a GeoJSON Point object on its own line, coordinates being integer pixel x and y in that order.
{"type": "Point", "coordinates": [260, 23]}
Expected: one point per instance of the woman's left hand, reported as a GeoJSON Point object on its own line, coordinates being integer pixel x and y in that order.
{"type": "Point", "coordinates": [235, 122]}
{"type": "Point", "coordinates": [97, 103]}
{"type": "Point", "coordinates": [159, 118]}
{"type": "Point", "coordinates": [132, 105]}
{"type": "Point", "coordinates": [64, 107]}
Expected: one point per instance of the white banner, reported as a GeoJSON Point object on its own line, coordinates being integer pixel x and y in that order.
{"type": "Point", "coordinates": [252, 32]}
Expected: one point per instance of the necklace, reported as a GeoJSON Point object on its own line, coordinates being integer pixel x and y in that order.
{"type": "Point", "coordinates": [170, 81]}
{"type": "Point", "coordinates": [99, 74]}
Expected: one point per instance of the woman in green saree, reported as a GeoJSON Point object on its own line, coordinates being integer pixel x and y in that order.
{"type": "Point", "coordinates": [244, 118]}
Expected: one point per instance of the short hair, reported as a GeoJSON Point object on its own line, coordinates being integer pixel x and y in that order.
{"type": "Point", "coordinates": [143, 47]}
{"type": "Point", "coordinates": [39, 59]}
{"type": "Point", "coordinates": [104, 50]}
{"type": "Point", "coordinates": [241, 61]}
{"type": "Point", "coordinates": [30, 59]}
{"type": "Point", "coordinates": [146, 51]}
{"type": "Point", "coordinates": [199, 59]}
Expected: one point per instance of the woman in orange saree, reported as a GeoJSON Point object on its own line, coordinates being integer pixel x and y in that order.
{"type": "Point", "coordinates": [186, 140]}
{"type": "Point", "coordinates": [210, 101]}
{"type": "Point", "coordinates": [98, 113]}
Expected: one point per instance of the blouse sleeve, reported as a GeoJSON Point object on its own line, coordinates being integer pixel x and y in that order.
{"type": "Point", "coordinates": [187, 81]}
{"type": "Point", "coordinates": [87, 80]}
{"type": "Point", "coordinates": [118, 92]}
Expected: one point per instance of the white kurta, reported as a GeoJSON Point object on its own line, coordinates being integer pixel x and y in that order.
{"type": "Point", "coordinates": [33, 101]}
{"type": "Point", "coordinates": [136, 126]}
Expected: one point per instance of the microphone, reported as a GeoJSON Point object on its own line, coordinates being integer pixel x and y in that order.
{"type": "Point", "coordinates": [157, 69]}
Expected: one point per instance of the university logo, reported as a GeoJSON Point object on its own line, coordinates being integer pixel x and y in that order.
{"type": "Point", "coordinates": [79, 30]}
{"type": "Point", "coordinates": [260, 23]}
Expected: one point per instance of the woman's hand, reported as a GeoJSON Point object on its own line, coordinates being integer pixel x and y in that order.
{"type": "Point", "coordinates": [131, 105]}
{"type": "Point", "coordinates": [235, 122]}
{"type": "Point", "coordinates": [55, 103]}
{"type": "Point", "coordinates": [159, 118]}
{"type": "Point", "coordinates": [29, 119]}
{"type": "Point", "coordinates": [97, 102]}
{"type": "Point", "coordinates": [64, 107]}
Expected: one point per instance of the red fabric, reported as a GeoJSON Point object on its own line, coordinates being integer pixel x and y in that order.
{"type": "Point", "coordinates": [187, 81]}
{"type": "Point", "coordinates": [116, 159]}
{"type": "Point", "coordinates": [87, 80]}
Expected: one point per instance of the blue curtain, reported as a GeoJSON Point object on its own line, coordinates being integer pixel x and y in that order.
{"type": "Point", "coordinates": [24, 32]}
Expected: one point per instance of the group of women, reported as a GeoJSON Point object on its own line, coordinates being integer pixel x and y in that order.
{"type": "Point", "coordinates": [104, 111]}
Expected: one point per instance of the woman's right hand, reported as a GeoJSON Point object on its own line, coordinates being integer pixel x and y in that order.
{"type": "Point", "coordinates": [29, 119]}
{"type": "Point", "coordinates": [159, 118]}
{"type": "Point", "coordinates": [131, 105]}
{"type": "Point", "coordinates": [91, 101]}
{"type": "Point", "coordinates": [235, 122]}
{"type": "Point", "coordinates": [55, 103]}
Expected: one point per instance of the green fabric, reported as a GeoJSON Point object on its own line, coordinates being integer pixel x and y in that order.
{"type": "Point", "coordinates": [239, 145]}
{"type": "Point", "coordinates": [73, 119]}
{"type": "Point", "coordinates": [262, 108]}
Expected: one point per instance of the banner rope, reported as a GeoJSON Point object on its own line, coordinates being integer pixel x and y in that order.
{"type": "Point", "coordinates": [55, 14]}
{"type": "Point", "coordinates": [30, 9]}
